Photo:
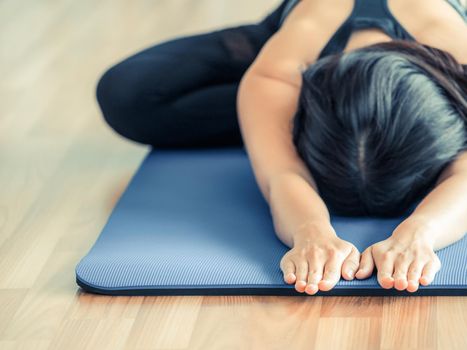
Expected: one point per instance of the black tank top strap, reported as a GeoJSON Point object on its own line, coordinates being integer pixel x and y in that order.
{"type": "Point", "coordinates": [366, 14]}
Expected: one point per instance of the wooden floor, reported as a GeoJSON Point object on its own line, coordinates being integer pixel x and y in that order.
{"type": "Point", "coordinates": [62, 170]}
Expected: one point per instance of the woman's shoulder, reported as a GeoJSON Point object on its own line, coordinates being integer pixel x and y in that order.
{"type": "Point", "coordinates": [438, 25]}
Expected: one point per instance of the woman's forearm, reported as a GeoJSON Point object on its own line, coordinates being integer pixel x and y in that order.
{"type": "Point", "coordinates": [441, 216]}
{"type": "Point", "coordinates": [295, 207]}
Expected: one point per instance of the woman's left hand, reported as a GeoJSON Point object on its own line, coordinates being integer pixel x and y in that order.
{"type": "Point", "coordinates": [403, 260]}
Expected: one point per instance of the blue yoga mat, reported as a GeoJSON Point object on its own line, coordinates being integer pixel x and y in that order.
{"type": "Point", "coordinates": [194, 222]}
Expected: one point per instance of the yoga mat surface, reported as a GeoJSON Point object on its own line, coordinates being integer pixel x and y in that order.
{"type": "Point", "coordinates": [194, 222]}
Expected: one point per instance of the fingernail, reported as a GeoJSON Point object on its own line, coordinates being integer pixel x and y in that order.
{"type": "Point", "coordinates": [350, 273]}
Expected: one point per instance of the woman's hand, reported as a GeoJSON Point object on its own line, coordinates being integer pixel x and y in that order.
{"type": "Point", "coordinates": [403, 260]}
{"type": "Point", "coordinates": [318, 258]}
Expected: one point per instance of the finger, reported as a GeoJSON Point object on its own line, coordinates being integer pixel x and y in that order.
{"type": "Point", "coordinates": [429, 271]}
{"type": "Point", "coordinates": [401, 267]}
{"type": "Point", "coordinates": [385, 271]}
{"type": "Point", "coordinates": [366, 266]}
{"type": "Point", "coordinates": [288, 269]}
{"type": "Point", "coordinates": [350, 265]}
{"type": "Point", "coordinates": [301, 273]}
{"type": "Point", "coordinates": [315, 275]}
{"type": "Point", "coordinates": [414, 274]}
{"type": "Point", "coordinates": [332, 274]}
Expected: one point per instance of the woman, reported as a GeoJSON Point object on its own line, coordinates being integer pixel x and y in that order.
{"type": "Point", "coordinates": [356, 105]}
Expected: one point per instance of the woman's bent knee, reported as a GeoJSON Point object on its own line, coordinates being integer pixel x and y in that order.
{"type": "Point", "coordinates": [121, 94]}
{"type": "Point", "coordinates": [113, 97]}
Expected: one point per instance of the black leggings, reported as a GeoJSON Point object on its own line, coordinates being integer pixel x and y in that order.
{"type": "Point", "coordinates": [182, 93]}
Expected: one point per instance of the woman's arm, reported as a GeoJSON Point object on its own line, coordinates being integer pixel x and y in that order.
{"type": "Point", "coordinates": [266, 104]}
{"type": "Point", "coordinates": [442, 214]}
{"type": "Point", "coordinates": [266, 107]}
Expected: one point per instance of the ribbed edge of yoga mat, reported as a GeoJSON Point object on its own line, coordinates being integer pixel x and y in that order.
{"type": "Point", "coordinates": [134, 271]}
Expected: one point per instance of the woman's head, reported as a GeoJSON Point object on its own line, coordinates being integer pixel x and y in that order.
{"type": "Point", "coordinates": [377, 125]}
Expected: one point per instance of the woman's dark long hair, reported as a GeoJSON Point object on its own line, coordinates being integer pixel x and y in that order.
{"type": "Point", "coordinates": [377, 125]}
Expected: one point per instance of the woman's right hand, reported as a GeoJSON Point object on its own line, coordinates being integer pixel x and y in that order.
{"type": "Point", "coordinates": [318, 259]}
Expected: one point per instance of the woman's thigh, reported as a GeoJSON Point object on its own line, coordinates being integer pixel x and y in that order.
{"type": "Point", "coordinates": [182, 92]}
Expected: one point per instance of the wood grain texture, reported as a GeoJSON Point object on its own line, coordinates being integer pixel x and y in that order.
{"type": "Point", "coordinates": [63, 170]}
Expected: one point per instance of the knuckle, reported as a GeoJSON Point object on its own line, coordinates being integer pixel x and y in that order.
{"type": "Point", "coordinates": [335, 253]}
{"type": "Point", "coordinates": [330, 251]}
{"type": "Point", "coordinates": [311, 252]}
{"type": "Point", "coordinates": [302, 251]}
{"type": "Point", "coordinates": [405, 254]}
{"type": "Point", "coordinates": [387, 255]}
{"type": "Point", "coordinates": [317, 254]}
{"type": "Point", "coordinates": [301, 266]}
{"type": "Point", "coordinates": [287, 262]}
{"type": "Point", "coordinates": [402, 256]}
{"type": "Point", "coordinates": [417, 254]}
{"type": "Point", "coordinates": [295, 257]}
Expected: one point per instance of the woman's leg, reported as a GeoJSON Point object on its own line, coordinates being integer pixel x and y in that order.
{"type": "Point", "coordinates": [182, 92]}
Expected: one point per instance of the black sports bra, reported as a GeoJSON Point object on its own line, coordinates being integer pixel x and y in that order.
{"type": "Point", "coordinates": [367, 14]}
